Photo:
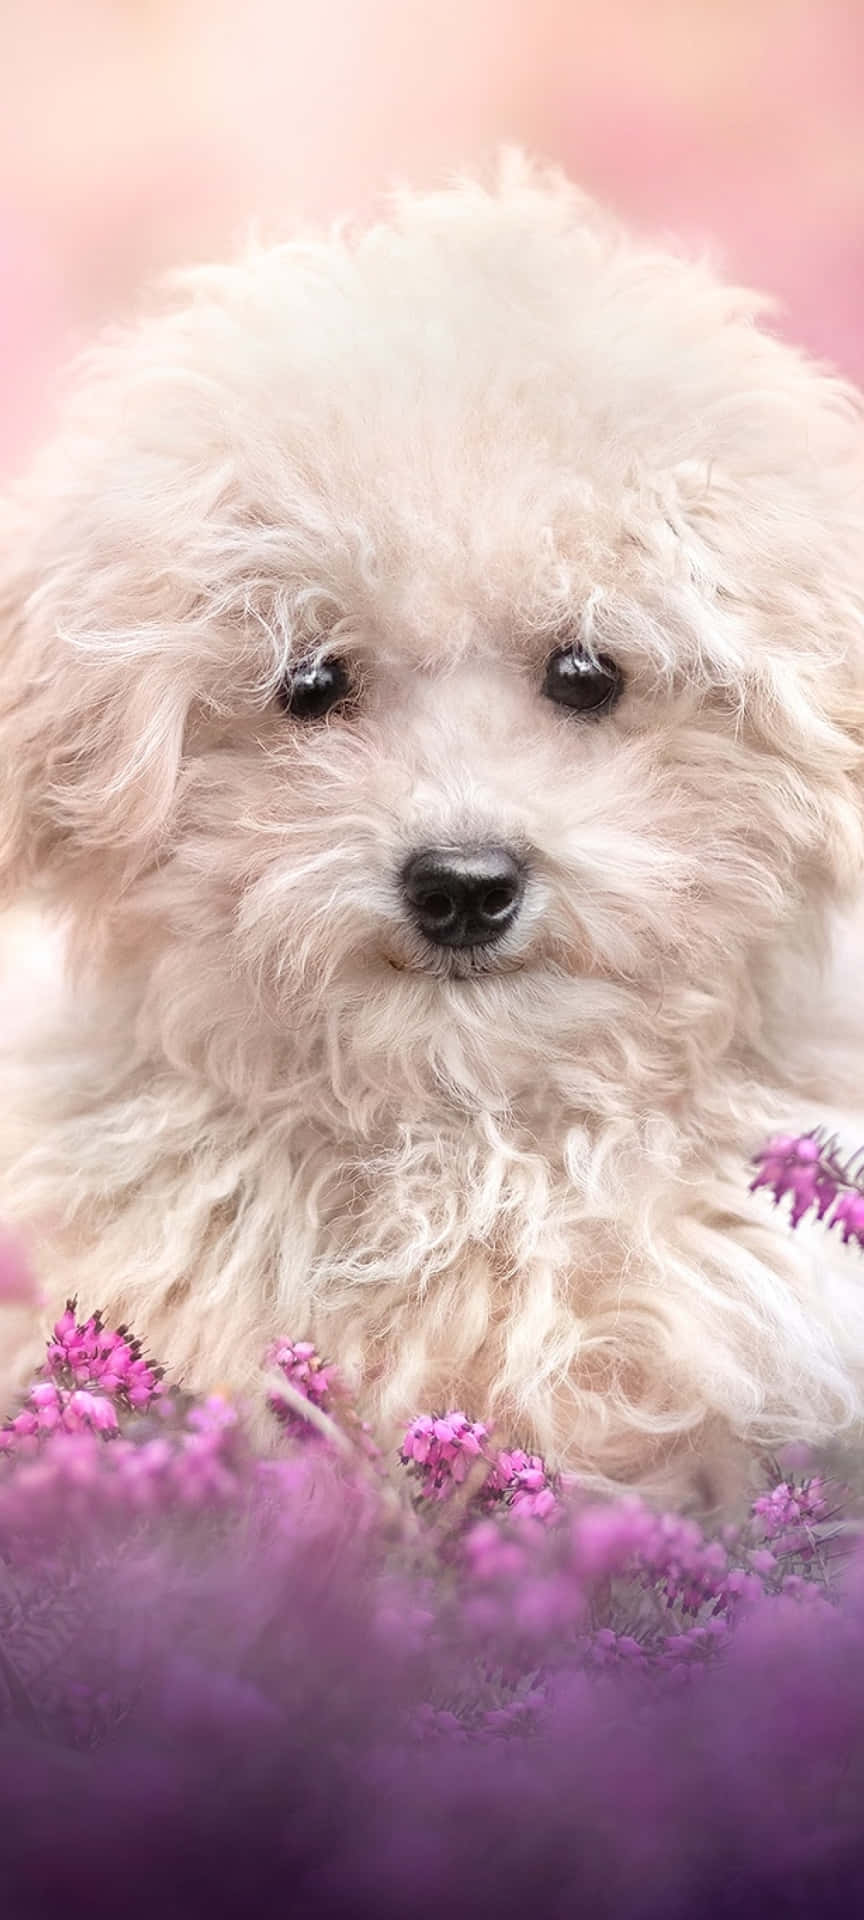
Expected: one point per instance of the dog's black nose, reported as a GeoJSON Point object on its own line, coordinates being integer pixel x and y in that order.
{"type": "Point", "coordinates": [465, 899]}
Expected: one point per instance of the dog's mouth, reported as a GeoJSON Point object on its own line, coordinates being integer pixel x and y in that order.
{"type": "Point", "coordinates": [468, 964]}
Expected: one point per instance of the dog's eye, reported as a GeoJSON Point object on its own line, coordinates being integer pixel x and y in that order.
{"type": "Point", "coordinates": [587, 683]}
{"type": "Point", "coordinates": [315, 687]}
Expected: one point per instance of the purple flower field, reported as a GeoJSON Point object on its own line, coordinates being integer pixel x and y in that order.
{"type": "Point", "coordinates": [335, 1682]}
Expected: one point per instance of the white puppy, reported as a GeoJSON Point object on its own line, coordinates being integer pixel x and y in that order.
{"type": "Point", "coordinates": [432, 688]}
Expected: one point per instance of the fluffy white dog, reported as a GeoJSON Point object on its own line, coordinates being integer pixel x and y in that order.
{"type": "Point", "coordinates": [432, 687]}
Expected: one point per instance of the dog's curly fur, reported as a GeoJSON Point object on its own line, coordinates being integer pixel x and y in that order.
{"type": "Point", "coordinates": [489, 426]}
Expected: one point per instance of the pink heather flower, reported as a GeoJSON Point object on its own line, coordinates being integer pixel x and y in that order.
{"type": "Point", "coordinates": [300, 1363]}
{"type": "Point", "coordinates": [304, 1370]}
{"type": "Point", "coordinates": [91, 1375]}
{"type": "Point", "coordinates": [419, 1441]}
{"type": "Point", "coordinates": [808, 1168]}
{"type": "Point", "coordinates": [214, 1416]}
{"type": "Point", "coordinates": [24, 1426]}
{"type": "Point", "coordinates": [790, 1507]}
{"type": "Point", "coordinates": [689, 1570]}
{"type": "Point", "coordinates": [514, 1714]}
{"type": "Point", "coordinates": [740, 1585]}
{"type": "Point", "coordinates": [664, 1552]}
{"type": "Point", "coordinates": [89, 1354]}
{"type": "Point", "coordinates": [492, 1556]}
{"type": "Point", "coordinates": [762, 1560]}
{"type": "Point", "coordinates": [201, 1467]}
{"type": "Point", "coordinates": [848, 1213]}
{"type": "Point", "coordinates": [605, 1540]}
{"type": "Point", "coordinates": [606, 1648]}
{"type": "Point", "coordinates": [516, 1588]}
{"type": "Point", "coordinates": [697, 1639]}
{"type": "Point", "coordinates": [324, 1388]}
{"type": "Point", "coordinates": [90, 1410]}
{"type": "Point", "coordinates": [46, 1393]}
{"type": "Point", "coordinates": [521, 1481]}
{"type": "Point", "coordinates": [441, 1451]}
{"type": "Point", "coordinates": [800, 1167]}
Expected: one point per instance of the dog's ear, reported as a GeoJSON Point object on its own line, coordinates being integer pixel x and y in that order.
{"type": "Point", "coordinates": [91, 723]}
{"type": "Point", "coordinates": [774, 551]}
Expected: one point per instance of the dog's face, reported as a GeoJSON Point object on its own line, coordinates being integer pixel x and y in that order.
{"type": "Point", "coordinates": [439, 658]}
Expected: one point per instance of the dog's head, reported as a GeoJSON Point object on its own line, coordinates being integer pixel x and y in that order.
{"type": "Point", "coordinates": [441, 651]}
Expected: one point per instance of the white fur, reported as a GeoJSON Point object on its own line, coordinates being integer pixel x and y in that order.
{"type": "Point", "coordinates": [438, 447]}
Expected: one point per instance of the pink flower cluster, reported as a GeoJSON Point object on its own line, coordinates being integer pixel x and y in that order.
{"type": "Point", "coordinates": [807, 1168]}
{"type": "Point", "coordinates": [616, 1582]}
{"type": "Point", "coordinates": [92, 1354]}
{"type": "Point", "coordinates": [49, 1407]}
{"type": "Point", "coordinates": [301, 1366]}
{"type": "Point", "coordinates": [523, 1590]}
{"type": "Point", "coordinates": [90, 1375]}
{"type": "Point", "coordinates": [665, 1552]}
{"type": "Point", "coordinates": [521, 1481]}
{"type": "Point", "coordinates": [689, 1570]}
{"type": "Point", "coordinates": [675, 1657]}
{"type": "Point", "coordinates": [522, 1585]}
{"type": "Point", "coordinates": [321, 1384]}
{"type": "Point", "coordinates": [443, 1449]}
{"type": "Point", "coordinates": [789, 1512]}
{"type": "Point", "coordinates": [74, 1488]}
{"type": "Point", "coordinates": [711, 1578]}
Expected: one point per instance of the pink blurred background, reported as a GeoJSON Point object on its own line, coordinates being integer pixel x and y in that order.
{"type": "Point", "coordinates": [137, 133]}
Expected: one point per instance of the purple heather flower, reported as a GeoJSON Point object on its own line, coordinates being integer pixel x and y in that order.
{"type": "Point", "coordinates": [808, 1169]}
{"type": "Point", "coordinates": [493, 1555]}
{"type": "Point", "coordinates": [848, 1212]}
{"type": "Point", "coordinates": [91, 1375]}
{"type": "Point", "coordinates": [795, 1166]}
{"type": "Point", "coordinates": [89, 1354]}
{"type": "Point", "coordinates": [441, 1450]}
{"type": "Point", "coordinates": [761, 1560]}
{"type": "Point", "coordinates": [614, 1587]}
{"type": "Point", "coordinates": [90, 1410]}
{"type": "Point", "coordinates": [740, 1585]}
{"type": "Point", "coordinates": [606, 1539]}
{"type": "Point", "coordinates": [418, 1441]}
{"type": "Point", "coordinates": [788, 1506]}
{"type": "Point", "coordinates": [521, 1481]}
{"type": "Point", "coordinates": [302, 1367]}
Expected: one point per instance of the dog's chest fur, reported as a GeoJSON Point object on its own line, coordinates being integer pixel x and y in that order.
{"type": "Point", "coordinates": [595, 1288]}
{"type": "Point", "coordinates": [601, 1286]}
